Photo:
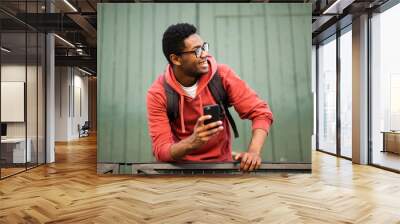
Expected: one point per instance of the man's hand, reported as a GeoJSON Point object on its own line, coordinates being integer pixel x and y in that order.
{"type": "Point", "coordinates": [202, 133]}
{"type": "Point", "coordinates": [249, 161]}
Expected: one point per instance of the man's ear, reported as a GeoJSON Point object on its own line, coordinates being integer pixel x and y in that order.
{"type": "Point", "coordinates": [175, 59]}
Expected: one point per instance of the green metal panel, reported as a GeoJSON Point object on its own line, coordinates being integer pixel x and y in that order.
{"type": "Point", "coordinates": [268, 45]}
{"type": "Point", "coordinates": [129, 59]}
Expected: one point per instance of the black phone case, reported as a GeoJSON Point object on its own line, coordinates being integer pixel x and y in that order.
{"type": "Point", "coordinates": [214, 111]}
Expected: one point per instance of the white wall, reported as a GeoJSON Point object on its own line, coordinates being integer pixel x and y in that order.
{"type": "Point", "coordinates": [16, 73]}
{"type": "Point", "coordinates": [50, 94]}
{"type": "Point", "coordinates": [12, 73]}
{"type": "Point", "coordinates": [62, 82]}
{"type": "Point", "coordinates": [314, 93]}
{"type": "Point", "coordinates": [79, 117]}
{"type": "Point", "coordinates": [71, 102]}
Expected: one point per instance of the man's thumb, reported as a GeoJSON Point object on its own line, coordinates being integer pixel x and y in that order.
{"type": "Point", "coordinates": [237, 155]}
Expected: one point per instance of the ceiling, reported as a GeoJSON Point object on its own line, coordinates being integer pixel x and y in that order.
{"type": "Point", "coordinates": [76, 22]}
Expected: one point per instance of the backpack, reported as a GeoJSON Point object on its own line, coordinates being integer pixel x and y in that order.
{"type": "Point", "coordinates": [217, 91]}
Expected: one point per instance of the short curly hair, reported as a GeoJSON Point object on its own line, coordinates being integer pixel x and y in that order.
{"type": "Point", "coordinates": [174, 36]}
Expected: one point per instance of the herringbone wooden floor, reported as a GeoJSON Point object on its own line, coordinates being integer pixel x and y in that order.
{"type": "Point", "coordinates": [69, 191]}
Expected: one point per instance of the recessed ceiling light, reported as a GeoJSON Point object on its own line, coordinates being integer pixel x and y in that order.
{"type": "Point", "coordinates": [70, 5]}
{"type": "Point", "coordinates": [5, 49]}
{"type": "Point", "coordinates": [84, 71]}
{"type": "Point", "coordinates": [64, 40]}
{"type": "Point", "coordinates": [338, 6]}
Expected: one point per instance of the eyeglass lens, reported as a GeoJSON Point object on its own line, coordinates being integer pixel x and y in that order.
{"type": "Point", "coordinates": [200, 50]}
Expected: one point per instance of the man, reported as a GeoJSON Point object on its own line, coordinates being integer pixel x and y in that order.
{"type": "Point", "coordinates": [188, 73]}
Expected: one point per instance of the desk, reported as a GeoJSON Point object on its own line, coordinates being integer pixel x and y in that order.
{"type": "Point", "coordinates": [15, 148]}
{"type": "Point", "coordinates": [391, 141]}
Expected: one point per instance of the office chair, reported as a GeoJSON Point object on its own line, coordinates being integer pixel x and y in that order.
{"type": "Point", "coordinates": [84, 130]}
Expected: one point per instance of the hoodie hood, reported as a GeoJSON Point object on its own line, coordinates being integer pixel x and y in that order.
{"type": "Point", "coordinates": [202, 83]}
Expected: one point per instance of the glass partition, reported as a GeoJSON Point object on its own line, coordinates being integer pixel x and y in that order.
{"type": "Point", "coordinates": [15, 151]}
{"type": "Point", "coordinates": [22, 90]}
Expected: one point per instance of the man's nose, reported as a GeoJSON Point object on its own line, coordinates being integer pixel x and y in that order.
{"type": "Point", "coordinates": [204, 54]}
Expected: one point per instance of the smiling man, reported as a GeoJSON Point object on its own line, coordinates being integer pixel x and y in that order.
{"type": "Point", "coordinates": [186, 81]}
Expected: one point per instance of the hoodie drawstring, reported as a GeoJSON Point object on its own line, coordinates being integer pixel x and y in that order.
{"type": "Point", "coordinates": [181, 102]}
{"type": "Point", "coordinates": [181, 113]}
{"type": "Point", "coordinates": [201, 106]}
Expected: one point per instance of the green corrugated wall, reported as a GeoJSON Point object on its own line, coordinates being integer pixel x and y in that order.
{"type": "Point", "coordinates": [268, 45]}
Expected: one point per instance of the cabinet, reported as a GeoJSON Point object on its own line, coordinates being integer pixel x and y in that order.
{"type": "Point", "coordinates": [391, 141]}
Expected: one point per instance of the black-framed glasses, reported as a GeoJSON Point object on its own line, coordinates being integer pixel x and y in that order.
{"type": "Point", "coordinates": [197, 51]}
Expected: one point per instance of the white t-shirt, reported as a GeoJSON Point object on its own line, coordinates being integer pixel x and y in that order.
{"type": "Point", "coordinates": [191, 90]}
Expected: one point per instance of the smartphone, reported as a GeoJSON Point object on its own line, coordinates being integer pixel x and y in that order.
{"type": "Point", "coordinates": [213, 110]}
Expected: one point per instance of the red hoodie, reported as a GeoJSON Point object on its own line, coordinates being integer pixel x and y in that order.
{"type": "Point", "coordinates": [218, 148]}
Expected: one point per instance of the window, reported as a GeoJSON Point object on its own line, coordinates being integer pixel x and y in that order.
{"type": "Point", "coordinates": [385, 88]}
{"type": "Point", "coordinates": [346, 93]}
{"type": "Point", "coordinates": [327, 96]}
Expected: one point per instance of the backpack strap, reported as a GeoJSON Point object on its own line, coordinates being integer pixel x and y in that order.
{"type": "Point", "coordinates": [218, 92]}
{"type": "Point", "coordinates": [172, 101]}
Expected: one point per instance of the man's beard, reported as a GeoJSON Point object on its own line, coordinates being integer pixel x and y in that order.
{"type": "Point", "coordinates": [194, 74]}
